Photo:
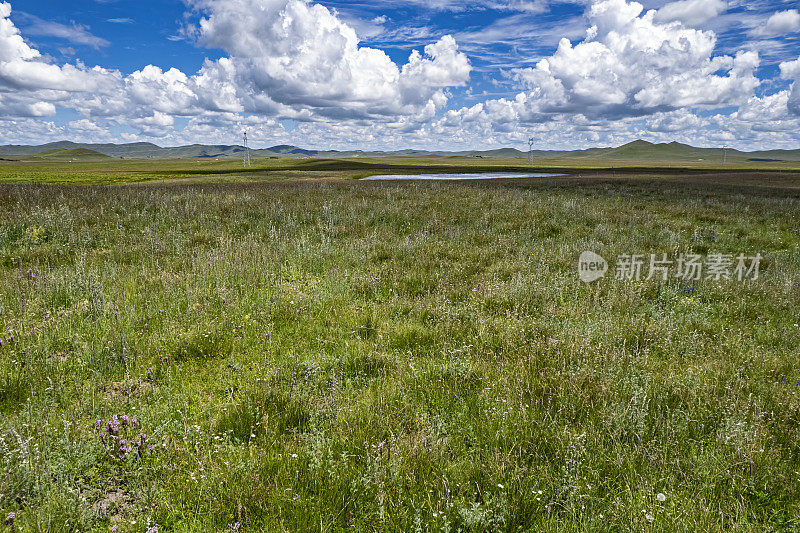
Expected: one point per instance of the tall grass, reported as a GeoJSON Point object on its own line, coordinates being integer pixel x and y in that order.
{"type": "Point", "coordinates": [399, 358]}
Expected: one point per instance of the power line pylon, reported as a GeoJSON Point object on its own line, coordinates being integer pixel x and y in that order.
{"type": "Point", "coordinates": [246, 152]}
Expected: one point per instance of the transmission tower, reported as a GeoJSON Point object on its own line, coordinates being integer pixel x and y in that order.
{"type": "Point", "coordinates": [531, 142]}
{"type": "Point", "coordinates": [246, 152]}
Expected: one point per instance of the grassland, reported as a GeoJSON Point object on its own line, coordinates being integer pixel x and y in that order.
{"type": "Point", "coordinates": [109, 171]}
{"type": "Point", "coordinates": [306, 352]}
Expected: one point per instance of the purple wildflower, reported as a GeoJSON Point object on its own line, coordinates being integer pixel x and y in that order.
{"type": "Point", "coordinates": [11, 516]}
{"type": "Point", "coordinates": [118, 439]}
{"type": "Point", "coordinates": [153, 529]}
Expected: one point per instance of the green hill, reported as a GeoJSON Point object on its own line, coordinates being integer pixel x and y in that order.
{"type": "Point", "coordinates": [673, 151]}
{"type": "Point", "coordinates": [676, 152]}
{"type": "Point", "coordinates": [646, 151]}
{"type": "Point", "coordinates": [74, 154]}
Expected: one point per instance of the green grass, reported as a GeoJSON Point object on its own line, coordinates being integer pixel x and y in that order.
{"type": "Point", "coordinates": [316, 355]}
{"type": "Point", "coordinates": [109, 171]}
{"type": "Point", "coordinates": [71, 154]}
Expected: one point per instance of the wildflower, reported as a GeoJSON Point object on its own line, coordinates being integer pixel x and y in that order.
{"type": "Point", "coordinates": [153, 529]}
{"type": "Point", "coordinates": [11, 516]}
{"type": "Point", "coordinates": [661, 497]}
{"type": "Point", "coordinates": [237, 526]}
{"type": "Point", "coordinates": [649, 517]}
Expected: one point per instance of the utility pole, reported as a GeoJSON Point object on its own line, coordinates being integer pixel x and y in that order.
{"type": "Point", "coordinates": [531, 141]}
{"type": "Point", "coordinates": [246, 152]}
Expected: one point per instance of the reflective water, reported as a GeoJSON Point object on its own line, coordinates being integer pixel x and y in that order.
{"type": "Point", "coordinates": [459, 177]}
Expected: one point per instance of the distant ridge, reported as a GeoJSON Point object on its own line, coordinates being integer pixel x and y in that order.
{"type": "Point", "coordinates": [633, 151]}
{"type": "Point", "coordinates": [153, 151]}
{"type": "Point", "coordinates": [67, 154]}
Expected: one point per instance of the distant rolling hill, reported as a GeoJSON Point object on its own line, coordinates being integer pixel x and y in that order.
{"type": "Point", "coordinates": [631, 152]}
{"type": "Point", "coordinates": [677, 152]}
{"type": "Point", "coordinates": [645, 151]}
{"type": "Point", "coordinates": [71, 154]}
{"type": "Point", "coordinates": [111, 150]}
{"type": "Point", "coordinates": [152, 151]}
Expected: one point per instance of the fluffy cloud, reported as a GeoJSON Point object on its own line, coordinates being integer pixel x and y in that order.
{"type": "Point", "coordinates": [287, 58]}
{"type": "Point", "coordinates": [691, 12]}
{"type": "Point", "coordinates": [793, 104]}
{"type": "Point", "coordinates": [635, 74]}
{"type": "Point", "coordinates": [635, 77]}
{"type": "Point", "coordinates": [301, 57]}
{"type": "Point", "coordinates": [629, 64]}
{"type": "Point", "coordinates": [790, 70]}
{"type": "Point", "coordinates": [30, 86]}
{"type": "Point", "coordinates": [780, 23]}
{"type": "Point", "coordinates": [12, 46]}
{"type": "Point", "coordinates": [169, 92]}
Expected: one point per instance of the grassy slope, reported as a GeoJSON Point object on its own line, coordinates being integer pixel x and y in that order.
{"type": "Point", "coordinates": [314, 356]}
{"type": "Point", "coordinates": [71, 154]}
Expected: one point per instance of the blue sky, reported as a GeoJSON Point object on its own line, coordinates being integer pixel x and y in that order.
{"type": "Point", "coordinates": [484, 73]}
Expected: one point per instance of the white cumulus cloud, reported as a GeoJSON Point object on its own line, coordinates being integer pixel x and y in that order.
{"type": "Point", "coordinates": [285, 58]}
{"type": "Point", "coordinates": [630, 64]}
{"type": "Point", "coordinates": [691, 12]}
{"type": "Point", "coordinates": [790, 70]}
{"type": "Point", "coordinates": [636, 73]}
{"type": "Point", "coordinates": [304, 57]}
{"type": "Point", "coordinates": [780, 23]}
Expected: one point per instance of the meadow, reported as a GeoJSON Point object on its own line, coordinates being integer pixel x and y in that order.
{"type": "Point", "coordinates": [291, 350]}
{"type": "Point", "coordinates": [109, 171]}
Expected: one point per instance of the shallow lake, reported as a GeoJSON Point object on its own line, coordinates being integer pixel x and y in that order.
{"type": "Point", "coordinates": [457, 177]}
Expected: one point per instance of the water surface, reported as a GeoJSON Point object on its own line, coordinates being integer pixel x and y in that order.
{"type": "Point", "coordinates": [459, 177]}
